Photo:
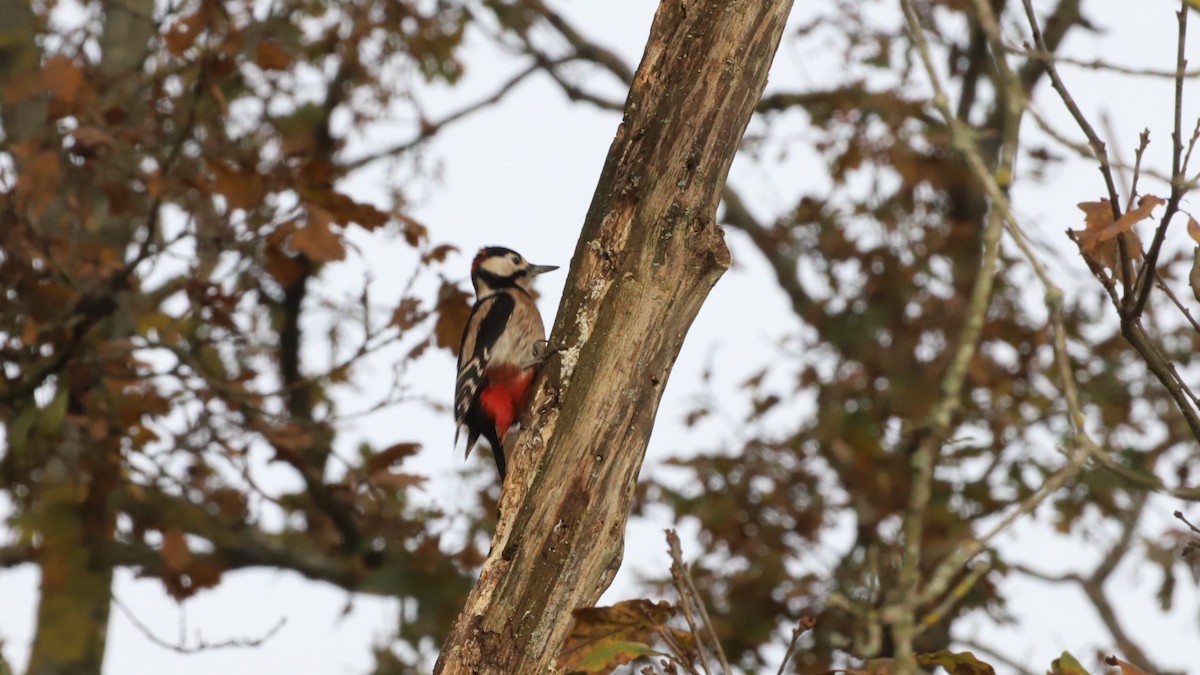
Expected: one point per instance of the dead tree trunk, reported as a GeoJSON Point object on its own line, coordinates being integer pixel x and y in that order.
{"type": "Point", "coordinates": [648, 255]}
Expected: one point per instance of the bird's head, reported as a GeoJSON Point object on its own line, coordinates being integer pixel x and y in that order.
{"type": "Point", "coordinates": [496, 267]}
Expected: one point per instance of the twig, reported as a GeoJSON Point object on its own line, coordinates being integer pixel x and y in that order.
{"type": "Point", "coordinates": [677, 572]}
{"type": "Point", "coordinates": [1144, 480]}
{"type": "Point", "coordinates": [1143, 143]}
{"type": "Point", "coordinates": [1084, 150]}
{"type": "Point", "coordinates": [677, 559]}
{"type": "Point", "coordinates": [1177, 169]}
{"type": "Point", "coordinates": [1098, 64]}
{"type": "Point", "coordinates": [806, 624]}
{"type": "Point", "coordinates": [201, 645]}
{"type": "Point", "coordinates": [707, 622]}
{"type": "Point", "coordinates": [1097, 145]}
{"type": "Point", "coordinates": [1179, 516]}
{"type": "Point", "coordinates": [430, 129]}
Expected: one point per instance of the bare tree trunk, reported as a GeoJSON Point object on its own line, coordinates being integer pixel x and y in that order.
{"type": "Point", "coordinates": [648, 255]}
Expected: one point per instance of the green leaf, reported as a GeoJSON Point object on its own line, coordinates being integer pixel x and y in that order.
{"type": "Point", "coordinates": [53, 414]}
{"type": "Point", "coordinates": [603, 638]}
{"type": "Point", "coordinates": [602, 657]}
{"type": "Point", "coordinates": [1067, 665]}
{"type": "Point", "coordinates": [961, 663]}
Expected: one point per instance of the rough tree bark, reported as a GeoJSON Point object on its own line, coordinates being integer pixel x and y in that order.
{"type": "Point", "coordinates": [649, 253]}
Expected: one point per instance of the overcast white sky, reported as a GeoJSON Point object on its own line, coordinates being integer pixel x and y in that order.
{"type": "Point", "coordinates": [522, 175]}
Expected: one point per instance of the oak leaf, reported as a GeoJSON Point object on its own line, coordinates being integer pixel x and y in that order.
{"type": "Point", "coordinates": [175, 551]}
{"type": "Point", "coordinates": [343, 210]}
{"type": "Point", "coordinates": [385, 458]}
{"type": "Point", "coordinates": [1193, 229]}
{"type": "Point", "coordinates": [270, 56]}
{"type": "Point", "coordinates": [37, 183]}
{"type": "Point", "coordinates": [317, 239]}
{"type": "Point", "coordinates": [283, 267]}
{"type": "Point", "coordinates": [396, 481]}
{"type": "Point", "coordinates": [90, 140]}
{"type": "Point", "coordinates": [414, 232]}
{"type": "Point", "coordinates": [438, 253]}
{"type": "Point", "coordinates": [453, 312]}
{"type": "Point", "coordinates": [408, 314]}
{"type": "Point", "coordinates": [62, 77]}
{"type": "Point", "coordinates": [290, 439]}
{"type": "Point", "coordinates": [603, 638]}
{"type": "Point", "coordinates": [241, 189]}
{"type": "Point", "coordinates": [183, 33]}
{"type": "Point", "coordinates": [1098, 239]}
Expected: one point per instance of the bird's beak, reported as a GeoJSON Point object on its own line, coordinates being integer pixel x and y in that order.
{"type": "Point", "coordinates": [535, 270]}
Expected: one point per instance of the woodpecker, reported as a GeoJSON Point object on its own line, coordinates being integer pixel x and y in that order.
{"type": "Point", "coordinates": [496, 358]}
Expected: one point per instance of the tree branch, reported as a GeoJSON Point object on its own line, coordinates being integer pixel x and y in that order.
{"type": "Point", "coordinates": [1178, 169]}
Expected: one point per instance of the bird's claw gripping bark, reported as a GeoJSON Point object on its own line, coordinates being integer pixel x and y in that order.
{"type": "Point", "coordinates": [542, 349]}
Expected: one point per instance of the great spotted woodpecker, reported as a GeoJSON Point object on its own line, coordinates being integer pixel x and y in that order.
{"type": "Point", "coordinates": [496, 358]}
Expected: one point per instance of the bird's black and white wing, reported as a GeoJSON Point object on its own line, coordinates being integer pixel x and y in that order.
{"type": "Point", "coordinates": [488, 318]}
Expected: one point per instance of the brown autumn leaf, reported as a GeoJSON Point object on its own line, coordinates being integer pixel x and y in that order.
{"type": "Point", "coordinates": [270, 56]}
{"type": "Point", "coordinates": [241, 189]}
{"type": "Point", "coordinates": [290, 438]}
{"type": "Point", "coordinates": [1193, 229]}
{"type": "Point", "coordinates": [414, 232]}
{"type": "Point", "coordinates": [29, 331]}
{"type": "Point", "coordinates": [37, 183]}
{"type": "Point", "coordinates": [396, 481]}
{"type": "Point", "coordinates": [1191, 557]}
{"type": "Point", "coordinates": [408, 314]}
{"type": "Point", "coordinates": [385, 458]}
{"type": "Point", "coordinates": [62, 77]}
{"type": "Point", "coordinates": [1098, 238]}
{"type": "Point", "coordinates": [175, 551]}
{"type": "Point", "coordinates": [1126, 222]}
{"type": "Point", "coordinates": [285, 269]}
{"type": "Point", "coordinates": [204, 574]}
{"type": "Point", "coordinates": [317, 239]}
{"type": "Point", "coordinates": [89, 141]}
{"type": "Point", "coordinates": [453, 311]}
{"type": "Point", "coordinates": [183, 33]}
{"type": "Point", "coordinates": [438, 253]}
{"type": "Point", "coordinates": [343, 210]}
{"type": "Point", "coordinates": [603, 638]}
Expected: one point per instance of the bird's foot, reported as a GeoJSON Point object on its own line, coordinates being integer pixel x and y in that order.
{"type": "Point", "coordinates": [542, 349]}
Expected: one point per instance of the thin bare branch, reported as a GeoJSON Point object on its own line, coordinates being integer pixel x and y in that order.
{"type": "Point", "coordinates": [201, 645]}
{"type": "Point", "coordinates": [1099, 64]}
{"type": "Point", "coordinates": [431, 129]}
{"type": "Point", "coordinates": [1098, 146]}
{"type": "Point", "coordinates": [1179, 515]}
{"type": "Point", "coordinates": [686, 577]}
{"type": "Point", "coordinates": [806, 624]}
{"type": "Point", "coordinates": [677, 573]}
{"type": "Point", "coordinates": [1177, 170]}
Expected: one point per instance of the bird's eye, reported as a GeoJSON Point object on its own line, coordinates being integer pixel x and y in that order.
{"type": "Point", "coordinates": [516, 259]}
